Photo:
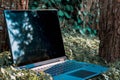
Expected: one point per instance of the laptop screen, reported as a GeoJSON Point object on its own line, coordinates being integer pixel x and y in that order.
{"type": "Point", "coordinates": [34, 35]}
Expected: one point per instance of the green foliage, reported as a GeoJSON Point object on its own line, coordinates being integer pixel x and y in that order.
{"type": "Point", "coordinates": [80, 48]}
{"type": "Point", "coordinates": [77, 14]}
{"type": "Point", "coordinates": [8, 72]}
{"type": "Point", "coordinates": [60, 13]}
{"type": "Point", "coordinates": [5, 58]}
{"type": "Point", "coordinates": [85, 49]}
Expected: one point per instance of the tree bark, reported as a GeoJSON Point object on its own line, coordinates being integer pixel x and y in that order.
{"type": "Point", "coordinates": [9, 4]}
{"type": "Point", "coordinates": [109, 30]}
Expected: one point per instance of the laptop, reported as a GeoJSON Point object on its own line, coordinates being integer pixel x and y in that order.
{"type": "Point", "coordinates": [36, 43]}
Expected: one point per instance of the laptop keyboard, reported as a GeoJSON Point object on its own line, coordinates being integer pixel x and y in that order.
{"type": "Point", "coordinates": [63, 67]}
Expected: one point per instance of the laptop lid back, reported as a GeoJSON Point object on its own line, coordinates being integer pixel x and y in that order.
{"type": "Point", "coordinates": [34, 35]}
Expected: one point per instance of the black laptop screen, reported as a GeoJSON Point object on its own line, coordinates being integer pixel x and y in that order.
{"type": "Point", "coordinates": [34, 36]}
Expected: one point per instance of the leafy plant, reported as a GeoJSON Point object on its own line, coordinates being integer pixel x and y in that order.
{"type": "Point", "coordinates": [8, 72]}
{"type": "Point", "coordinates": [81, 15]}
{"type": "Point", "coordinates": [85, 49]}
{"type": "Point", "coordinates": [77, 47]}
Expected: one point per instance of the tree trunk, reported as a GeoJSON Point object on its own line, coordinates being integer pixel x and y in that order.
{"type": "Point", "coordinates": [8, 4]}
{"type": "Point", "coordinates": [109, 31]}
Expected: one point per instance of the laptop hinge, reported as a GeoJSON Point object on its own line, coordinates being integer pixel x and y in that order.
{"type": "Point", "coordinates": [62, 59]}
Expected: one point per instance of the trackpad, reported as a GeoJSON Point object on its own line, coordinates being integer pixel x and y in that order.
{"type": "Point", "coordinates": [82, 73]}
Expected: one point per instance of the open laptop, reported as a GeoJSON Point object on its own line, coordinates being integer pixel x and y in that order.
{"type": "Point", "coordinates": [36, 43]}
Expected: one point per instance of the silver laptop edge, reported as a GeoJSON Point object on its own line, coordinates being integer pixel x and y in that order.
{"type": "Point", "coordinates": [35, 65]}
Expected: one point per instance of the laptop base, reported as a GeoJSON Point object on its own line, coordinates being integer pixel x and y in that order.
{"type": "Point", "coordinates": [86, 72]}
{"type": "Point", "coordinates": [71, 70]}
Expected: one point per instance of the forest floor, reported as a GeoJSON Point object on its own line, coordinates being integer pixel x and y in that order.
{"type": "Point", "coordinates": [80, 48]}
{"type": "Point", "coordinates": [85, 49]}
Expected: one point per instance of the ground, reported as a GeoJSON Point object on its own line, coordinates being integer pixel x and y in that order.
{"type": "Point", "coordinates": [85, 49]}
{"type": "Point", "coordinates": [80, 48]}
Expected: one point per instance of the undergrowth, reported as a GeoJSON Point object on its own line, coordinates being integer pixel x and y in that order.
{"type": "Point", "coordinates": [85, 49]}
{"type": "Point", "coordinates": [80, 48]}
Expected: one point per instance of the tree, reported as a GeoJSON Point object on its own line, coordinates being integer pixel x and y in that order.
{"type": "Point", "coordinates": [9, 4]}
{"type": "Point", "coordinates": [109, 30]}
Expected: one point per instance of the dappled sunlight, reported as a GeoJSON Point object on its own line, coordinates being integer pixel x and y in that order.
{"type": "Point", "coordinates": [20, 32]}
{"type": "Point", "coordinates": [36, 38]}
{"type": "Point", "coordinates": [80, 45]}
